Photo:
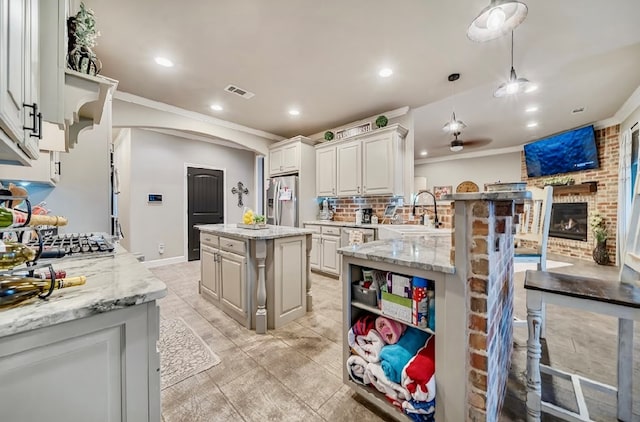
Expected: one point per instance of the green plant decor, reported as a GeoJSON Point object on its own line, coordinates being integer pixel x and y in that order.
{"type": "Point", "coordinates": [382, 121]}
{"type": "Point", "coordinates": [328, 136]}
{"type": "Point", "coordinates": [598, 227]}
{"type": "Point", "coordinates": [559, 181]}
{"type": "Point", "coordinates": [82, 34]}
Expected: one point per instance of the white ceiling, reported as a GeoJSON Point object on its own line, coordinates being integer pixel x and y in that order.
{"type": "Point", "coordinates": [323, 58]}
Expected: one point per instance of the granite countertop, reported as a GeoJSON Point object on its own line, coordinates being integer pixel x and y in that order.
{"type": "Point", "coordinates": [113, 282]}
{"type": "Point", "coordinates": [431, 253]}
{"type": "Point", "coordinates": [271, 232]}
{"type": "Point", "coordinates": [489, 196]}
{"type": "Point", "coordinates": [346, 224]}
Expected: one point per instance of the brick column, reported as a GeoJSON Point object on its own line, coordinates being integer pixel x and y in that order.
{"type": "Point", "coordinates": [483, 256]}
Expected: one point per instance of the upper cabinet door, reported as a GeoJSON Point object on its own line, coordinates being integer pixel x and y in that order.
{"type": "Point", "coordinates": [13, 21]}
{"type": "Point", "coordinates": [378, 166]}
{"type": "Point", "coordinates": [349, 168]}
{"type": "Point", "coordinates": [275, 161]}
{"type": "Point", "coordinates": [30, 144]}
{"type": "Point", "coordinates": [326, 171]}
{"type": "Point", "coordinates": [291, 157]}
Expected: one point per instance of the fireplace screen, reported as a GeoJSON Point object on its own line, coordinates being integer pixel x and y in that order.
{"type": "Point", "coordinates": [569, 221]}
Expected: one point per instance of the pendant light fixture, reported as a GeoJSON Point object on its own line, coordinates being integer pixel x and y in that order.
{"type": "Point", "coordinates": [454, 125]}
{"type": "Point", "coordinates": [496, 20]}
{"type": "Point", "coordinates": [514, 85]}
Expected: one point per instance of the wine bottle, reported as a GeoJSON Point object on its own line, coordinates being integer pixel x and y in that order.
{"type": "Point", "coordinates": [14, 253]}
{"type": "Point", "coordinates": [15, 290]}
{"type": "Point", "coordinates": [15, 218]}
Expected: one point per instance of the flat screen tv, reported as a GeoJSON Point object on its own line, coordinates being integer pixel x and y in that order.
{"type": "Point", "coordinates": [574, 150]}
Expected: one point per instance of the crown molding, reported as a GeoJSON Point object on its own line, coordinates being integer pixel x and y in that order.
{"type": "Point", "coordinates": [131, 98]}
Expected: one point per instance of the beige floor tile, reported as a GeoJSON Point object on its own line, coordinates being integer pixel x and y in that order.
{"type": "Point", "coordinates": [308, 380]}
{"type": "Point", "coordinates": [196, 399]}
{"type": "Point", "coordinates": [347, 406]}
{"type": "Point", "coordinates": [234, 365]}
{"type": "Point", "coordinates": [264, 398]}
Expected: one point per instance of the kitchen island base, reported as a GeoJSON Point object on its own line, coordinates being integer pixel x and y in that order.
{"type": "Point", "coordinates": [105, 367]}
{"type": "Point", "coordinates": [258, 277]}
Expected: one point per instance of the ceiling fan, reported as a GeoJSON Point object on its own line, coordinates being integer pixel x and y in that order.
{"type": "Point", "coordinates": [458, 144]}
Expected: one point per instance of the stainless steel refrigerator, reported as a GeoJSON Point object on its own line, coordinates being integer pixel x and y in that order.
{"type": "Point", "coordinates": [282, 201]}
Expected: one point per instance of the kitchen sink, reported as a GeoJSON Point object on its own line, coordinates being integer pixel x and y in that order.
{"type": "Point", "coordinates": [393, 231]}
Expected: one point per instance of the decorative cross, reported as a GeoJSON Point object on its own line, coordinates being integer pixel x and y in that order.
{"type": "Point", "coordinates": [240, 190]}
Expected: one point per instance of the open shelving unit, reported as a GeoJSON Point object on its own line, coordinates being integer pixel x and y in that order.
{"type": "Point", "coordinates": [353, 309]}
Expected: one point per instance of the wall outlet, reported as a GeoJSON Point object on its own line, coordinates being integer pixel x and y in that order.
{"type": "Point", "coordinates": [160, 248]}
{"type": "Point", "coordinates": [411, 217]}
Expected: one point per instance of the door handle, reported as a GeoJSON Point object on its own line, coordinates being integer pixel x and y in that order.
{"type": "Point", "coordinates": [36, 121]}
{"type": "Point", "coordinates": [358, 189]}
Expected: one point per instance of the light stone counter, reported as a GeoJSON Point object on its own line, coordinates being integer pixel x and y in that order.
{"type": "Point", "coordinates": [424, 253]}
{"type": "Point", "coordinates": [113, 282]}
{"type": "Point", "coordinates": [344, 224]}
{"type": "Point", "coordinates": [271, 232]}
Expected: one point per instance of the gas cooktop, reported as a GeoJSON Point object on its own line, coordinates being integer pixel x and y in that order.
{"type": "Point", "coordinates": [75, 245]}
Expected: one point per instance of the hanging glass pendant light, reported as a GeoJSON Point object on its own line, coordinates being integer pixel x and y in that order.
{"type": "Point", "coordinates": [496, 20]}
{"type": "Point", "coordinates": [515, 84]}
{"type": "Point", "coordinates": [454, 125]}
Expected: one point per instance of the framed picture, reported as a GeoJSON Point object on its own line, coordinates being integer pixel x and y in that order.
{"type": "Point", "coordinates": [353, 131]}
{"type": "Point", "coordinates": [438, 191]}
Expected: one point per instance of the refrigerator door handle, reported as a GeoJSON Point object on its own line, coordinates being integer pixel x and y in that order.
{"type": "Point", "coordinates": [276, 203]}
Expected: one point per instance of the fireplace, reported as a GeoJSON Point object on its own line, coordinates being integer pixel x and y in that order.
{"type": "Point", "coordinates": [569, 221]}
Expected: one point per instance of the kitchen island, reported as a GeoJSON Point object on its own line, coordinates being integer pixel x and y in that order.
{"type": "Point", "coordinates": [86, 353]}
{"type": "Point", "coordinates": [259, 277]}
{"type": "Point", "coordinates": [471, 273]}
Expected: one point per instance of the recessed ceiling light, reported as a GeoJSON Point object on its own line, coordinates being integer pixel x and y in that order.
{"type": "Point", "coordinates": [385, 73]}
{"type": "Point", "coordinates": [294, 112]}
{"type": "Point", "coordinates": [423, 153]}
{"type": "Point", "coordinates": [216, 107]}
{"type": "Point", "coordinates": [531, 109]}
{"type": "Point", "coordinates": [531, 88]}
{"type": "Point", "coordinates": [532, 124]}
{"type": "Point", "coordinates": [163, 61]}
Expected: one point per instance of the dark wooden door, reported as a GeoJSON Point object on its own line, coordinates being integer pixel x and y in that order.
{"type": "Point", "coordinates": [205, 204]}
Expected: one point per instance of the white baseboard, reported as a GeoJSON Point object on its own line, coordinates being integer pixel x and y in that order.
{"type": "Point", "coordinates": [166, 261]}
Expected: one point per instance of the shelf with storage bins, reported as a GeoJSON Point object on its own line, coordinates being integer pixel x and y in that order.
{"type": "Point", "coordinates": [359, 305]}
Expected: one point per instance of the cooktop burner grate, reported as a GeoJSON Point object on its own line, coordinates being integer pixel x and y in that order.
{"type": "Point", "coordinates": [77, 244]}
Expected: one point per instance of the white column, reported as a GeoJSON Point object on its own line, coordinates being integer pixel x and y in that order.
{"type": "Point", "coordinates": [261, 313]}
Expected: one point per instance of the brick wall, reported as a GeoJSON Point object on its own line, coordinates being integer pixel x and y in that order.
{"type": "Point", "coordinates": [489, 305]}
{"type": "Point", "coordinates": [604, 201]}
{"type": "Point", "coordinates": [345, 209]}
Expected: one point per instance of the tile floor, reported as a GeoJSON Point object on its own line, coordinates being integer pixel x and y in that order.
{"type": "Point", "coordinates": [295, 373]}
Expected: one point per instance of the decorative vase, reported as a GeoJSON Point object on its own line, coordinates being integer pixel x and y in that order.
{"type": "Point", "coordinates": [381, 121]}
{"type": "Point", "coordinates": [600, 253]}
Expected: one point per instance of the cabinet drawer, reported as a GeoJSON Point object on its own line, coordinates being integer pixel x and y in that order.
{"type": "Point", "coordinates": [233, 245]}
{"type": "Point", "coordinates": [315, 229]}
{"type": "Point", "coordinates": [335, 231]}
{"type": "Point", "coordinates": [209, 239]}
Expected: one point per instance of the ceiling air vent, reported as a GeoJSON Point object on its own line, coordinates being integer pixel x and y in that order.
{"type": "Point", "coordinates": [239, 91]}
{"type": "Point", "coordinates": [577, 110]}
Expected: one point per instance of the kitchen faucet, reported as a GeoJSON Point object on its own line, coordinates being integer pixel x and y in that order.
{"type": "Point", "coordinates": [435, 206]}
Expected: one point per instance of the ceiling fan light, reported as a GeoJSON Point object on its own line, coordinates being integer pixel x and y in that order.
{"type": "Point", "coordinates": [496, 20]}
{"type": "Point", "coordinates": [456, 145]}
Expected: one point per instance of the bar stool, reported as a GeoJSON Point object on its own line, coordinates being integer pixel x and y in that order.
{"type": "Point", "coordinates": [606, 297]}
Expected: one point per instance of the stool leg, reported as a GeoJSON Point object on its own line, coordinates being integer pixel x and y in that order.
{"type": "Point", "coordinates": [534, 353]}
{"type": "Point", "coordinates": [625, 369]}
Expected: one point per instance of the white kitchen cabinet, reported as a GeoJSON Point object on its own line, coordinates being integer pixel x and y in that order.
{"type": "Point", "coordinates": [288, 294]}
{"type": "Point", "coordinates": [330, 257]}
{"type": "Point", "coordinates": [209, 270]}
{"type": "Point", "coordinates": [367, 164]}
{"type": "Point", "coordinates": [326, 171]}
{"type": "Point", "coordinates": [349, 168]}
{"type": "Point", "coordinates": [104, 367]}
{"type": "Point", "coordinates": [378, 166]}
{"type": "Point", "coordinates": [314, 258]}
{"type": "Point", "coordinates": [19, 84]}
{"type": "Point", "coordinates": [46, 170]}
{"type": "Point", "coordinates": [324, 252]}
{"type": "Point", "coordinates": [284, 158]}
{"type": "Point", "coordinates": [233, 285]}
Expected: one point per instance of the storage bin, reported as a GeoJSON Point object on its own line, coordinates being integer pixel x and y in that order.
{"type": "Point", "coordinates": [396, 307]}
{"type": "Point", "coordinates": [363, 295]}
